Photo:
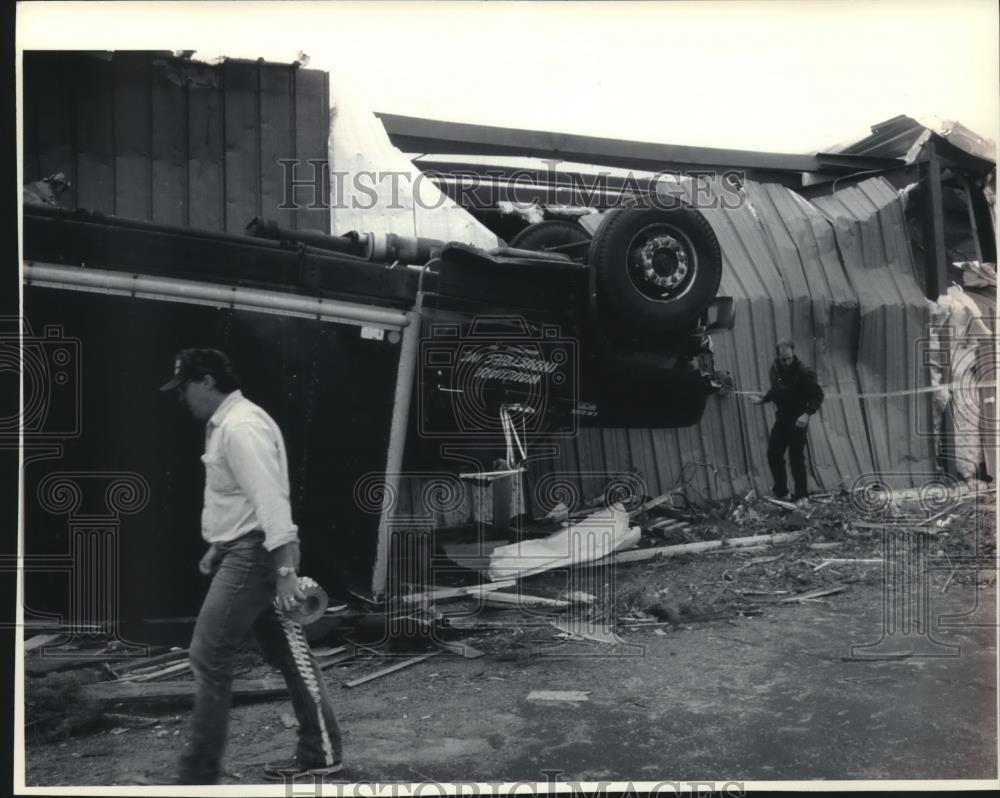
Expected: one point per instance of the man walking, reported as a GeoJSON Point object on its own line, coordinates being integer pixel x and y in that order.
{"type": "Point", "coordinates": [796, 396]}
{"type": "Point", "coordinates": [253, 558]}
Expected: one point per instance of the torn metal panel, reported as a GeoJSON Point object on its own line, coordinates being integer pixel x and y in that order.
{"type": "Point", "coordinates": [587, 540]}
{"type": "Point", "coordinates": [148, 136]}
{"type": "Point", "coordinates": [905, 137]}
{"type": "Point", "coordinates": [373, 186]}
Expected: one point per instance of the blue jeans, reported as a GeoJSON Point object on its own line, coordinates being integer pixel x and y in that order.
{"type": "Point", "coordinates": [239, 599]}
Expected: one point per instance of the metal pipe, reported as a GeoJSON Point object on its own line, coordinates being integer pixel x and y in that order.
{"type": "Point", "coordinates": [351, 244]}
{"type": "Point", "coordinates": [197, 293]}
{"type": "Point", "coordinates": [397, 443]}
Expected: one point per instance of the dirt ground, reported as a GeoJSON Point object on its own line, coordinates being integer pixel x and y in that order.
{"type": "Point", "coordinates": [717, 670]}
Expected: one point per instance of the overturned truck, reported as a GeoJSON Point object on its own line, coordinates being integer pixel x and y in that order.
{"type": "Point", "coordinates": [381, 358]}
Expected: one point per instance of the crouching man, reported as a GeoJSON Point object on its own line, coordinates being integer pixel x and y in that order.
{"type": "Point", "coordinates": [253, 559]}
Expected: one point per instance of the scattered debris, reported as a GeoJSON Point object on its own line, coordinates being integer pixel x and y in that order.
{"type": "Point", "coordinates": [523, 600]}
{"type": "Point", "coordinates": [687, 586]}
{"type": "Point", "coordinates": [559, 695]}
{"type": "Point", "coordinates": [462, 649]}
{"type": "Point", "coordinates": [863, 561]}
{"type": "Point", "coordinates": [666, 611]}
{"type": "Point", "coordinates": [637, 555]}
{"type": "Point", "coordinates": [39, 640]}
{"type": "Point", "coordinates": [760, 561]}
{"type": "Point", "coordinates": [589, 539]}
{"type": "Point", "coordinates": [147, 662]}
{"type": "Point", "coordinates": [585, 630]}
{"type": "Point", "coordinates": [823, 591]}
{"type": "Point", "coordinates": [158, 673]}
{"type": "Point", "coordinates": [445, 593]}
{"type": "Point", "coordinates": [130, 692]}
{"type": "Point", "coordinates": [578, 597]}
{"type": "Point", "coordinates": [391, 669]}
{"type": "Point", "coordinates": [662, 499]}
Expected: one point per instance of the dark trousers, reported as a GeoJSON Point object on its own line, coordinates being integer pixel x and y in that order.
{"type": "Point", "coordinates": [786, 436]}
{"type": "Point", "coordinates": [240, 599]}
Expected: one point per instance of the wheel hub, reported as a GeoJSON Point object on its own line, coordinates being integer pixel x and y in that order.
{"type": "Point", "coordinates": [663, 261]}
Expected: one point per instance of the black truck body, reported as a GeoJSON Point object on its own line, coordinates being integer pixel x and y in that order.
{"type": "Point", "coordinates": [368, 367]}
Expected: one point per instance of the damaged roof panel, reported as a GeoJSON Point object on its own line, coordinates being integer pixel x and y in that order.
{"type": "Point", "coordinates": [897, 137]}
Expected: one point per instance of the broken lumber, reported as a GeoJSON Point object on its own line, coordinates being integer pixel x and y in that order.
{"type": "Point", "coordinates": [652, 503]}
{"type": "Point", "coordinates": [667, 524]}
{"type": "Point", "coordinates": [588, 631]}
{"type": "Point", "coordinates": [860, 560]}
{"type": "Point", "coordinates": [823, 591]}
{"type": "Point", "coordinates": [159, 673]}
{"type": "Point", "coordinates": [780, 503]}
{"type": "Point", "coordinates": [39, 640]}
{"type": "Point", "coordinates": [523, 600]}
{"type": "Point", "coordinates": [578, 597]}
{"type": "Point", "coordinates": [760, 561]}
{"type": "Point", "coordinates": [637, 555]}
{"type": "Point", "coordinates": [823, 546]}
{"type": "Point", "coordinates": [473, 591]}
{"type": "Point", "coordinates": [469, 622]}
{"type": "Point", "coordinates": [391, 669]}
{"type": "Point", "coordinates": [159, 659]}
{"type": "Point", "coordinates": [122, 691]}
{"type": "Point", "coordinates": [56, 660]}
{"type": "Point", "coordinates": [336, 659]}
{"type": "Point", "coordinates": [462, 649]}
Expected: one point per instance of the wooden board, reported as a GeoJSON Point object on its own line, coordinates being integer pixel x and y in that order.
{"type": "Point", "coordinates": [406, 663]}
{"type": "Point", "coordinates": [444, 593]}
{"type": "Point", "coordinates": [637, 555]}
{"type": "Point", "coordinates": [167, 691]}
{"type": "Point", "coordinates": [523, 600]}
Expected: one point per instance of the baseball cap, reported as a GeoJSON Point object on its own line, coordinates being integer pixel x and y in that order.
{"type": "Point", "coordinates": [194, 364]}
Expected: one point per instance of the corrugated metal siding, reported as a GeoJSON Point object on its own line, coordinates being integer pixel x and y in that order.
{"type": "Point", "coordinates": [837, 277]}
{"type": "Point", "coordinates": [871, 234]}
{"type": "Point", "coordinates": [151, 137]}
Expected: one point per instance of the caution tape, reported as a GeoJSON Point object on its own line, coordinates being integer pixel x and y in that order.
{"type": "Point", "coordinates": [884, 394]}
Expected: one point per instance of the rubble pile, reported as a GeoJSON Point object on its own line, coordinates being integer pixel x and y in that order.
{"type": "Point", "coordinates": [715, 563]}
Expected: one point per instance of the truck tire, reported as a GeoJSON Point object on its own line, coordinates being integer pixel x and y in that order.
{"type": "Point", "coordinates": [553, 233]}
{"type": "Point", "coordinates": [656, 270]}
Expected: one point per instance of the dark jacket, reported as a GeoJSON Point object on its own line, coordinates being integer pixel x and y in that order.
{"type": "Point", "coordinates": [794, 390]}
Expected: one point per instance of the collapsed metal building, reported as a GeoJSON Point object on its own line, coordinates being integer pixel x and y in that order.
{"type": "Point", "coordinates": [818, 248]}
{"type": "Point", "coordinates": [845, 252]}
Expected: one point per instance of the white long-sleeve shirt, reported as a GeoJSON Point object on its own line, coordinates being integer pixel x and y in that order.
{"type": "Point", "coordinates": [246, 476]}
